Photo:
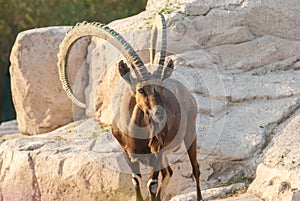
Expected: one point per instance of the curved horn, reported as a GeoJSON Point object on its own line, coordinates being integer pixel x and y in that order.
{"type": "Point", "coordinates": [104, 32]}
{"type": "Point", "coordinates": [159, 20]}
{"type": "Point", "coordinates": [153, 41]}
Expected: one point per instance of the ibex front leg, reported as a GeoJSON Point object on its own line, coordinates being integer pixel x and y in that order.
{"type": "Point", "coordinates": [136, 176]}
{"type": "Point", "coordinates": [153, 186]}
{"type": "Point", "coordinates": [155, 166]}
{"type": "Point", "coordinates": [136, 183]}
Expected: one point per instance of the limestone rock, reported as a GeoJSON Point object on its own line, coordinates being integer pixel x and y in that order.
{"type": "Point", "coordinates": [221, 36]}
{"type": "Point", "coordinates": [64, 162]}
{"type": "Point", "coordinates": [10, 127]}
{"type": "Point", "coordinates": [102, 61]}
{"type": "Point", "coordinates": [196, 9]}
{"type": "Point", "coordinates": [277, 178]}
{"type": "Point", "coordinates": [219, 18]}
{"type": "Point", "coordinates": [226, 136]}
{"type": "Point", "coordinates": [243, 197]}
{"type": "Point", "coordinates": [80, 161]}
{"type": "Point", "coordinates": [210, 194]}
{"type": "Point", "coordinates": [40, 102]}
{"type": "Point", "coordinates": [296, 196]}
{"type": "Point", "coordinates": [155, 4]}
{"type": "Point", "coordinates": [262, 84]}
{"type": "Point", "coordinates": [279, 18]}
{"type": "Point", "coordinates": [193, 4]}
{"type": "Point", "coordinates": [257, 53]}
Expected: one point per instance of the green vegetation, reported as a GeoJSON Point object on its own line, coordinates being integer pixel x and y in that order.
{"type": "Point", "coordinates": [95, 134]}
{"type": "Point", "coordinates": [60, 138]}
{"type": "Point", "coordinates": [170, 7]}
{"type": "Point", "coordinates": [281, 159]}
{"type": "Point", "coordinates": [148, 22]}
{"type": "Point", "coordinates": [166, 10]}
{"type": "Point", "coordinates": [241, 178]}
{"type": "Point", "coordinates": [100, 130]}
{"type": "Point", "coordinates": [20, 15]}
{"type": "Point", "coordinates": [264, 72]}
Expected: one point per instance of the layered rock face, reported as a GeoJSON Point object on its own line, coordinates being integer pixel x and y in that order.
{"type": "Point", "coordinates": [239, 58]}
{"type": "Point", "coordinates": [241, 68]}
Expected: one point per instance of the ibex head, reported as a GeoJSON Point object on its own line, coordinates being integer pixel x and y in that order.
{"type": "Point", "coordinates": [146, 86]}
{"type": "Point", "coordinates": [148, 89]}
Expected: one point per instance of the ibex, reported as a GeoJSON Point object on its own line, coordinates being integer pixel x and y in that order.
{"type": "Point", "coordinates": [156, 113]}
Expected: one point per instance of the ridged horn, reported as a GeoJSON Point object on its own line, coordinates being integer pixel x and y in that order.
{"type": "Point", "coordinates": [160, 32]}
{"type": "Point", "coordinates": [104, 32]}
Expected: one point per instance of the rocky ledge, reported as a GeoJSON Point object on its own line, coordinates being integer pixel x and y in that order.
{"type": "Point", "coordinates": [81, 161]}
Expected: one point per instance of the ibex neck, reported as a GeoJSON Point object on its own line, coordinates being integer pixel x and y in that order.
{"type": "Point", "coordinates": [139, 126]}
{"type": "Point", "coordinates": [139, 118]}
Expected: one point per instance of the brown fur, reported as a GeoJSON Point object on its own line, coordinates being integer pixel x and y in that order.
{"type": "Point", "coordinates": [150, 144]}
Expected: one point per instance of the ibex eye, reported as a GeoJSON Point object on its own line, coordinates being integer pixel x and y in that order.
{"type": "Point", "coordinates": [141, 91]}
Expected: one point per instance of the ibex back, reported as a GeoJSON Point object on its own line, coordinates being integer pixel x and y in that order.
{"type": "Point", "coordinates": [155, 113]}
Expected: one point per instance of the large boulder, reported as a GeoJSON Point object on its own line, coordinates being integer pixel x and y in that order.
{"type": "Point", "coordinates": [277, 177]}
{"type": "Point", "coordinates": [10, 127]}
{"type": "Point", "coordinates": [40, 102]}
{"type": "Point", "coordinates": [70, 163]}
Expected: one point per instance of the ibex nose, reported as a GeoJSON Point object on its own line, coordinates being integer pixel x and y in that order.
{"type": "Point", "coordinates": [158, 113]}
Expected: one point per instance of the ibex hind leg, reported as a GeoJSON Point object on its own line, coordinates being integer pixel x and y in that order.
{"type": "Point", "coordinates": [192, 152]}
{"type": "Point", "coordinates": [166, 173]}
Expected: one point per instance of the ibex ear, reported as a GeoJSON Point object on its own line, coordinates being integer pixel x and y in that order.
{"type": "Point", "coordinates": [125, 72]}
{"type": "Point", "coordinates": [168, 70]}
